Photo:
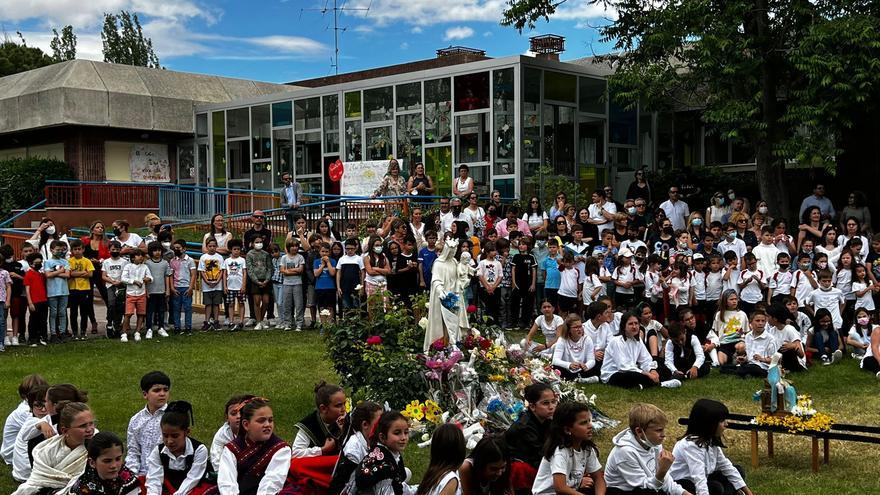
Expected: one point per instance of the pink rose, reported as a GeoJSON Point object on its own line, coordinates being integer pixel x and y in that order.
{"type": "Point", "coordinates": [374, 340]}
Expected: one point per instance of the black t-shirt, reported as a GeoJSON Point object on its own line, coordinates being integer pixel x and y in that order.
{"type": "Point", "coordinates": [872, 262]}
{"type": "Point", "coordinates": [525, 265]}
{"type": "Point", "coordinates": [253, 234]}
{"type": "Point", "coordinates": [350, 273]}
{"type": "Point", "coordinates": [660, 246]}
{"type": "Point", "coordinates": [17, 284]}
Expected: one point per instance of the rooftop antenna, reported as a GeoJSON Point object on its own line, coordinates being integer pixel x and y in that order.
{"type": "Point", "coordinates": [336, 9]}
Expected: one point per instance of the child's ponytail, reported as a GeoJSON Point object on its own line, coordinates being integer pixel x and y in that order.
{"type": "Point", "coordinates": [178, 414]}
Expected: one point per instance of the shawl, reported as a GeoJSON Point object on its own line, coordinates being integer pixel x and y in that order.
{"type": "Point", "coordinates": [55, 464]}
{"type": "Point", "coordinates": [126, 483]}
{"type": "Point", "coordinates": [380, 465]}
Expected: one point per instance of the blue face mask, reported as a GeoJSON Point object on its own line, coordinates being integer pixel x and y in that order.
{"type": "Point", "coordinates": [697, 222]}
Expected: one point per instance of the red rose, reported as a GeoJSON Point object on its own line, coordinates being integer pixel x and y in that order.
{"type": "Point", "coordinates": [472, 308]}
{"type": "Point", "coordinates": [485, 343]}
{"type": "Point", "coordinates": [374, 340]}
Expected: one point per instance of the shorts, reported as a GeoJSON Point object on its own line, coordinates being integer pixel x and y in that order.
{"type": "Point", "coordinates": [728, 349]}
{"type": "Point", "coordinates": [235, 295]}
{"type": "Point", "coordinates": [212, 298]}
{"type": "Point", "coordinates": [256, 290]}
{"type": "Point", "coordinates": [326, 298]}
{"type": "Point", "coordinates": [310, 296]}
{"type": "Point", "coordinates": [136, 304]}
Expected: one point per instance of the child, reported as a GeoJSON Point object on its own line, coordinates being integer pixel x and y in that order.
{"type": "Point", "coordinates": [349, 276]}
{"type": "Point", "coordinates": [19, 415]}
{"type": "Point", "coordinates": [382, 470]}
{"type": "Point", "coordinates": [653, 334]}
{"type": "Point", "coordinates": [178, 464]}
{"type": "Point", "coordinates": [653, 281]}
{"type": "Point", "coordinates": [842, 279]}
{"type": "Point", "coordinates": [700, 466]}
{"type": "Point", "coordinates": [292, 265]}
{"type": "Point", "coordinates": [144, 430]}
{"type": "Point", "coordinates": [570, 460]}
{"type": "Point", "coordinates": [752, 285]}
{"type": "Point", "coordinates": [828, 297]}
{"type": "Point", "coordinates": [486, 469]}
{"type": "Point", "coordinates": [714, 286]}
{"type": "Point", "coordinates": [320, 437]}
{"type": "Point", "coordinates": [871, 360]}
{"type": "Point", "coordinates": [824, 339]}
{"type": "Point", "coordinates": [135, 276]}
{"type": "Point", "coordinates": [111, 274]}
{"type": "Point", "coordinates": [577, 247]}
{"type": "Point", "coordinates": [310, 253]}
{"type": "Point", "coordinates": [363, 419]}
{"type": "Point", "coordinates": [57, 272]}
{"type": "Point", "coordinates": [863, 289]}
{"type": "Point", "coordinates": [681, 293]}
{"type": "Point", "coordinates": [489, 273]}
{"type": "Point", "coordinates": [183, 280]}
{"type": "Point", "coordinates": [803, 282]}
{"type": "Point", "coordinates": [859, 336]}
{"type": "Point", "coordinates": [800, 320]}
{"type": "Point", "coordinates": [627, 363]}
{"type": "Point", "coordinates": [759, 346]}
{"type": "Point", "coordinates": [592, 286]}
{"type": "Point", "coordinates": [525, 439]}
{"type": "Point", "coordinates": [684, 355]}
{"type": "Point", "coordinates": [541, 252]}
{"type": "Point", "coordinates": [638, 463]}
{"type": "Point", "coordinates": [787, 339]}
{"type": "Point", "coordinates": [573, 354]}
{"type": "Point", "coordinates": [524, 278]}
{"type": "Point", "coordinates": [570, 279]}
{"type": "Point", "coordinates": [80, 287]}
{"type": "Point", "coordinates": [698, 280]}
{"type": "Point", "coordinates": [407, 269]}
{"type": "Point", "coordinates": [624, 278]}
{"type": "Point", "coordinates": [447, 455]}
{"type": "Point", "coordinates": [598, 328]}
{"type": "Point", "coordinates": [230, 428]}
{"type": "Point", "coordinates": [158, 289]}
{"type": "Point", "coordinates": [552, 326]}
{"type": "Point", "coordinates": [105, 472]}
{"type": "Point", "coordinates": [549, 266]}
{"type": "Point", "coordinates": [15, 333]}
{"type": "Point", "coordinates": [731, 272]}
{"type": "Point", "coordinates": [324, 268]}
{"type": "Point", "coordinates": [728, 325]}
{"type": "Point", "coordinates": [505, 259]}
{"type": "Point", "coordinates": [234, 275]}
{"type": "Point", "coordinates": [211, 270]}
{"type": "Point", "coordinates": [259, 272]}
{"type": "Point", "coordinates": [257, 461]}
{"type": "Point", "coordinates": [277, 281]}
{"type": "Point", "coordinates": [681, 251]}
{"type": "Point", "coordinates": [427, 257]}
{"type": "Point", "coordinates": [766, 252]}
{"type": "Point", "coordinates": [779, 284]}
{"type": "Point", "coordinates": [23, 443]}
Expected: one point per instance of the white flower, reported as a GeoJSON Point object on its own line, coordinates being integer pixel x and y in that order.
{"type": "Point", "coordinates": [358, 287]}
{"type": "Point", "coordinates": [425, 437]}
{"type": "Point", "coordinates": [428, 305]}
{"type": "Point", "coordinates": [423, 323]}
{"type": "Point", "coordinates": [390, 379]}
{"type": "Point", "coordinates": [475, 332]}
{"type": "Point", "coordinates": [325, 312]}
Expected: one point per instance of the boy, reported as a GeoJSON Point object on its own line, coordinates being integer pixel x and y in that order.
{"type": "Point", "coordinates": [731, 243]}
{"type": "Point", "coordinates": [158, 289]}
{"type": "Point", "coordinates": [427, 257]}
{"type": "Point", "coordinates": [730, 271]}
{"type": "Point", "coordinates": [57, 271]}
{"type": "Point", "coordinates": [183, 279]}
{"type": "Point", "coordinates": [20, 414]}
{"type": "Point", "coordinates": [503, 257]}
{"type": "Point", "coordinates": [779, 284]}
{"type": "Point", "coordinates": [550, 268]}
{"type": "Point", "coordinates": [135, 276]}
{"type": "Point", "coordinates": [751, 284]}
{"type": "Point", "coordinates": [803, 282]}
{"type": "Point", "coordinates": [211, 271]}
{"type": "Point", "coordinates": [707, 247]}
{"type": "Point", "coordinates": [632, 241]}
{"type": "Point", "coordinates": [234, 273]}
{"type": "Point", "coordinates": [408, 269]}
{"type": "Point", "coordinates": [524, 278]}
{"type": "Point", "coordinates": [259, 272]}
{"type": "Point", "coordinates": [636, 465]}
{"type": "Point", "coordinates": [37, 300]}
{"type": "Point", "coordinates": [80, 287]}
{"type": "Point", "coordinates": [292, 268]}
{"type": "Point", "coordinates": [324, 268]}
{"type": "Point", "coordinates": [766, 252]}
{"type": "Point", "coordinates": [759, 348]}
{"type": "Point", "coordinates": [350, 275]}
{"type": "Point", "coordinates": [111, 274]}
{"type": "Point", "coordinates": [828, 297]}
{"type": "Point", "coordinates": [144, 431]}
{"type": "Point", "coordinates": [578, 248]}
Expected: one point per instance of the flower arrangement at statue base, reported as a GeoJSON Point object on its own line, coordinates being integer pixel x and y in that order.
{"type": "Point", "coordinates": [802, 418]}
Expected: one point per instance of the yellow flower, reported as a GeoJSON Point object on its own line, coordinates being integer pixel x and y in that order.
{"type": "Point", "coordinates": [413, 411]}
{"type": "Point", "coordinates": [432, 411]}
{"type": "Point", "coordinates": [348, 405]}
{"type": "Point", "coordinates": [496, 378]}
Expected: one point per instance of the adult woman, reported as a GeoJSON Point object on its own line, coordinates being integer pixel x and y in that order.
{"type": "Point", "coordinates": [464, 184]}
{"type": "Point", "coordinates": [419, 184]}
{"type": "Point", "coordinates": [417, 226]}
{"type": "Point", "coordinates": [561, 230]}
{"type": "Point", "coordinates": [569, 211]}
{"type": "Point", "coordinates": [639, 188]}
{"type": "Point", "coordinates": [392, 184]}
{"type": "Point", "coordinates": [398, 233]}
{"type": "Point", "coordinates": [696, 228]}
{"type": "Point", "coordinates": [476, 213]}
{"type": "Point", "coordinates": [619, 229]}
{"type": "Point", "coordinates": [300, 231]}
{"type": "Point", "coordinates": [853, 229]}
{"type": "Point", "coordinates": [535, 216]}
{"type": "Point", "coordinates": [661, 242]}
{"type": "Point", "coordinates": [811, 225]}
{"type": "Point", "coordinates": [717, 209]}
{"type": "Point", "coordinates": [758, 222]}
{"type": "Point", "coordinates": [153, 224]}
{"type": "Point", "coordinates": [857, 207]}
{"type": "Point", "coordinates": [763, 209]}
{"type": "Point", "coordinates": [44, 235]}
{"type": "Point", "coordinates": [96, 249]}
{"type": "Point", "coordinates": [558, 205]}
{"type": "Point", "coordinates": [217, 230]}
{"type": "Point", "coordinates": [129, 240]}
{"type": "Point", "coordinates": [741, 221]}
{"type": "Point", "coordinates": [781, 239]}
{"type": "Point", "coordinates": [491, 217]}
{"type": "Point", "coordinates": [591, 233]}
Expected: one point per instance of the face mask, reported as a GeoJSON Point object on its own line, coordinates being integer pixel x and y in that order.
{"type": "Point", "coordinates": [541, 243]}
{"type": "Point", "coordinates": [805, 266]}
{"type": "Point", "coordinates": [58, 254]}
{"type": "Point", "coordinates": [50, 230]}
{"type": "Point", "coordinates": [491, 213]}
{"type": "Point", "coordinates": [639, 259]}
{"type": "Point", "coordinates": [864, 321]}
{"type": "Point", "coordinates": [668, 230]}
{"type": "Point", "coordinates": [178, 252]}
{"type": "Point", "coordinates": [377, 249]}
{"type": "Point", "coordinates": [631, 210]}
{"type": "Point", "coordinates": [330, 224]}
{"type": "Point", "coordinates": [720, 201]}
{"type": "Point", "coordinates": [117, 232]}
{"type": "Point", "coordinates": [632, 237]}
{"type": "Point", "coordinates": [166, 245]}
{"type": "Point", "coordinates": [37, 266]}
{"type": "Point", "coordinates": [762, 210]}
{"type": "Point", "coordinates": [697, 222]}
{"type": "Point", "coordinates": [682, 244]}
{"type": "Point", "coordinates": [114, 254]}
{"type": "Point", "coordinates": [822, 265]}
{"type": "Point", "coordinates": [732, 235]}
{"type": "Point", "coordinates": [156, 228]}
{"type": "Point", "coordinates": [258, 246]}
{"type": "Point", "coordinates": [456, 210]}
{"type": "Point", "coordinates": [783, 268]}
{"type": "Point", "coordinates": [9, 260]}
{"type": "Point", "coordinates": [731, 196]}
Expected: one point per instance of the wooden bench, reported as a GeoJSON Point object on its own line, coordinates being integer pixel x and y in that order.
{"type": "Point", "coordinates": [843, 432]}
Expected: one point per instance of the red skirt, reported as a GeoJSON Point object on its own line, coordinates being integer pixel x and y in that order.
{"type": "Point", "coordinates": [522, 475]}
{"type": "Point", "coordinates": [312, 475]}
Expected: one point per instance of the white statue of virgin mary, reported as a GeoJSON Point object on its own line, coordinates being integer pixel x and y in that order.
{"type": "Point", "coordinates": [448, 284]}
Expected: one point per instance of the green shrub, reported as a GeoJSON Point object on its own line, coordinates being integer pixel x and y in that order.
{"type": "Point", "coordinates": [23, 180]}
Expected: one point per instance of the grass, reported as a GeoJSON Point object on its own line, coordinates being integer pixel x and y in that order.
{"type": "Point", "coordinates": [207, 369]}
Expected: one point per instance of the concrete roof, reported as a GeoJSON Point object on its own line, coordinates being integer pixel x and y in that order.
{"type": "Point", "coordinates": [84, 92]}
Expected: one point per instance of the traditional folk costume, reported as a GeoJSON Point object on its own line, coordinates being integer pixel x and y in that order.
{"type": "Point", "coordinates": [125, 483]}
{"type": "Point", "coordinates": [187, 474]}
{"type": "Point", "coordinates": [382, 473]}
{"type": "Point", "coordinates": [250, 468]}
{"type": "Point", "coordinates": [311, 469]}
{"type": "Point", "coordinates": [55, 465]}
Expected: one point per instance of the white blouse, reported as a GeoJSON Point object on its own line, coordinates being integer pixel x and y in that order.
{"type": "Point", "coordinates": [272, 482]}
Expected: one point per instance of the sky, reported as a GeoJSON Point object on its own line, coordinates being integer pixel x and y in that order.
{"type": "Point", "coordinates": [289, 40]}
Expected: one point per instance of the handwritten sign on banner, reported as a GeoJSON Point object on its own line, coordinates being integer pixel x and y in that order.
{"type": "Point", "coordinates": [362, 178]}
{"type": "Point", "coordinates": [149, 163]}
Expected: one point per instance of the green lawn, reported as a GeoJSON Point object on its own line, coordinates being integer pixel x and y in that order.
{"type": "Point", "coordinates": [207, 369]}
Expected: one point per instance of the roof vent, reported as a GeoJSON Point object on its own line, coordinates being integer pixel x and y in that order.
{"type": "Point", "coordinates": [547, 46]}
{"type": "Point", "coordinates": [459, 50]}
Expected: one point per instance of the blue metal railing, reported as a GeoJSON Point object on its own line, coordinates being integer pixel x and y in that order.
{"type": "Point", "coordinates": [27, 210]}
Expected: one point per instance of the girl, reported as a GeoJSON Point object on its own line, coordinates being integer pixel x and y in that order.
{"type": "Point", "coordinates": [573, 353]}
{"type": "Point", "coordinates": [322, 433]}
{"type": "Point", "coordinates": [61, 458]}
{"type": "Point", "coordinates": [569, 284]}
{"type": "Point", "coordinates": [363, 420]}
{"type": "Point", "coordinates": [871, 361]}
{"type": "Point", "coordinates": [382, 471]}
{"type": "Point", "coordinates": [843, 279]}
{"type": "Point", "coordinates": [489, 273]}
{"type": "Point", "coordinates": [592, 286]}
{"type": "Point", "coordinates": [105, 473]}
{"type": "Point", "coordinates": [486, 471]}
{"type": "Point", "coordinates": [700, 466]}
{"type": "Point", "coordinates": [447, 454]}
{"type": "Point", "coordinates": [860, 334]}
{"type": "Point", "coordinates": [653, 283]}
{"type": "Point", "coordinates": [229, 430]}
{"type": "Point", "coordinates": [56, 398]}
{"type": "Point", "coordinates": [551, 326]}
{"type": "Point", "coordinates": [624, 277]}
{"type": "Point", "coordinates": [570, 461]}
{"type": "Point", "coordinates": [525, 438]}
{"type": "Point", "coordinates": [627, 363]}
{"type": "Point", "coordinates": [257, 461]}
{"type": "Point", "coordinates": [728, 326]}
{"type": "Point", "coordinates": [863, 289]}
{"type": "Point", "coordinates": [823, 340]}
{"type": "Point", "coordinates": [653, 335]}
{"type": "Point", "coordinates": [377, 267]}
{"type": "Point", "coordinates": [178, 466]}
{"type": "Point", "coordinates": [679, 284]}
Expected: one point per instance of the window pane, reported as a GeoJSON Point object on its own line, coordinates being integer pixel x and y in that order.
{"type": "Point", "coordinates": [282, 113]}
{"type": "Point", "coordinates": [218, 123]}
{"type": "Point", "coordinates": [353, 152]}
{"type": "Point", "coordinates": [311, 185]}
{"type": "Point", "coordinates": [438, 165]}
{"type": "Point", "coordinates": [592, 95]}
{"type": "Point", "coordinates": [502, 98]}
{"type": "Point", "coordinates": [307, 113]}
{"type": "Point", "coordinates": [622, 128]}
{"type": "Point", "coordinates": [261, 132]}
{"type": "Point", "coordinates": [186, 166]}
{"type": "Point", "coordinates": [438, 111]}
{"type": "Point", "coordinates": [506, 187]}
{"type": "Point", "coordinates": [591, 141]}
{"type": "Point", "coordinates": [203, 164]}
{"type": "Point", "coordinates": [237, 125]}
{"type": "Point", "coordinates": [472, 91]}
{"type": "Point", "coordinates": [559, 86]}
{"type": "Point", "coordinates": [409, 96]}
{"type": "Point", "coordinates": [481, 179]}
{"type": "Point", "coordinates": [409, 139]}
{"type": "Point", "coordinates": [239, 164]}
{"type": "Point", "coordinates": [352, 104]}
{"type": "Point", "coordinates": [472, 138]}
{"type": "Point", "coordinates": [379, 145]}
{"type": "Point", "coordinates": [331, 124]}
{"type": "Point", "coordinates": [308, 153]}
{"type": "Point", "coordinates": [202, 125]}
{"type": "Point", "coordinates": [531, 89]}
{"type": "Point", "coordinates": [282, 158]}
{"type": "Point", "coordinates": [378, 104]}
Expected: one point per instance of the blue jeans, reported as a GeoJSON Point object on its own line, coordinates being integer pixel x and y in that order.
{"type": "Point", "coordinates": [278, 291]}
{"type": "Point", "coordinates": [349, 300]}
{"type": "Point", "coordinates": [57, 314]}
{"type": "Point", "coordinates": [182, 302]}
{"type": "Point", "coordinates": [825, 347]}
{"type": "Point", "coordinates": [2, 322]}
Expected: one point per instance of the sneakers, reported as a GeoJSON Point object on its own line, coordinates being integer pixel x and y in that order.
{"type": "Point", "coordinates": [250, 322]}
{"type": "Point", "coordinates": [189, 332]}
{"type": "Point", "coordinates": [124, 337]}
{"type": "Point", "coordinates": [588, 379]}
{"type": "Point", "coordinates": [836, 357]}
{"type": "Point", "coordinates": [43, 342]}
{"type": "Point", "coordinates": [235, 328]}
{"type": "Point", "coordinates": [137, 336]}
{"type": "Point", "coordinates": [14, 341]}
{"type": "Point", "coordinates": [825, 360]}
{"type": "Point", "coordinates": [877, 375]}
{"type": "Point", "coordinates": [162, 333]}
{"type": "Point", "coordinates": [7, 342]}
{"type": "Point", "coordinates": [33, 345]}
{"type": "Point", "coordinates": [258, 326]}
{"type": "Point", "coordinates": [673, 383]}
{"type": "Point", "coordinates": [298, 329]}
{"type": "Point", "coordinates": [148, 335]}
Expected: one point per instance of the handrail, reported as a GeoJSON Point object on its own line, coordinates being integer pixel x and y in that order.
{"type": "Point", "coordinates": [158, 184]}
{"type": "Point", "coordinates": [22, 212]}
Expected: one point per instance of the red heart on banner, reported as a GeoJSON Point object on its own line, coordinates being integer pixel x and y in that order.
{"type": "Point", "coordinates": [336, 170]}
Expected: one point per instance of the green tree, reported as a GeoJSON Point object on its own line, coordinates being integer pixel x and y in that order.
{"type": "Point", "coordinates": [24, 180]}
{"type": "Point", "coordinates": [785, 77]}
{"type": "Point", "coordinates": [18, 57]}
{"type": "Point", "coordinates": [63, 45]}
{"type": "Point", "coordinates": [124, 41]}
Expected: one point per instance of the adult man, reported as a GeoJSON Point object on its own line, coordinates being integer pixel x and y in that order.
{"type": "Point", "coordinates": [736, 206]}
{"type": "Point", "coordinates": [455, 215]}
{"type": "Point", "coordinates": [818, 199]}
{"type": "Point", "coordinates": [291, 197]}
{"type": "Point", "coordinates": [676, 210]}
{"type": "Point", "coordinates": [609, 196]}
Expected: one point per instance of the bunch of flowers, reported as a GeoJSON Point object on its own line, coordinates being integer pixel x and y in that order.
{"type": "Point", "coordinates": [450, 301]}
{"type": "Point", "coordinates": [475, 341]}
{"type": "Point", "coordinates": [439, 363]}
{"type": "Point", "coordinates": [374, 340]}
{"type": "Point", "coordinates": [803, 418]}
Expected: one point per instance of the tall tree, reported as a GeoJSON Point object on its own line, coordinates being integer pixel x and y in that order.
{"type": "Point", "coordinates": [784, 77]}
{"type": "Point", "coordinates": [124, 41]}
{"type": "Point", "coordinates": [18, 57]}
{"type": "Point", "coordinates": [63, 45]}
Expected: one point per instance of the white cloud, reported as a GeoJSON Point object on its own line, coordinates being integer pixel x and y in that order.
{"type": "Point", "coordinates": [88, 46]}
{"type": "Point", "coordinates": [458, 33]}
{"type": "Point", "coordinates": [416, 30]}
{"type": "Point", "coordinates": [89, 14]}
{"type": "Point", "coordinates": [404, 45]}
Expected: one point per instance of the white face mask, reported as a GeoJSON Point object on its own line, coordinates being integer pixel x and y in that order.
{"type": "Point", "coordinates": [377, 249]}
{"type": "Point", "coordinates": [50, 230]}
{"type": "Point", "coordinates": [258, 246]}
{"type": "Point", "coordinates": [762, 210]}
{"type": "Point", "coordinates": [732, 196]}
{"type": "Point", "coordinates": [166, 245]}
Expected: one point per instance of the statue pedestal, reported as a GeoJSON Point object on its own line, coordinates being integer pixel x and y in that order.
{"type": "Point", "coordinates": [766, 401]}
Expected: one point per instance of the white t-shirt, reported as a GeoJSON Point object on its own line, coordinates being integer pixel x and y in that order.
{"type": "Point", "coordinates": [736, 245]}
{"type": "Point", "coordinates": [534, 220]}
{"type": "Point", "coordinates": [766, 254]}
{"type": "Point", "coordinates": [751, 292]}
{"type": "Point", "coordinates": [830, 300]}
{"type": "Point", "coordinates": [490, 269]}
{"type": "Point", "coordinates": [596, 214]}
{"type": "Point", "coordinates": [235, 268]}
{"type": "Point", "coordinates": [133, 241]}
{"type": "Point", "coordinates": [568, 282]}
{"type": "Point", "coordinates": [780, 282]}
{"type": "Point", "coordinates": [574, 464]}
{"type": "Point", "coordinates": [590, 282]}
{"type": "Point", "coordinates": [212, 267]}
{"type": "Point", "coordinates": [549, 329]}
{"type": "Point", "coordinates": [784, 336]}
{"type": "Point", "coordinates": [866, 301]}
{"type": "Point", "coordinates": [113, 268]}
{"type": "Point", "coordinates": [448, 477]}
{"type": "Point", "coordinates": [624, 274]}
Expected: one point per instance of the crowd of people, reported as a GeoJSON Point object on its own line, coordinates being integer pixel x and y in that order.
{"type": "Point", "coordinates": [52, 443]}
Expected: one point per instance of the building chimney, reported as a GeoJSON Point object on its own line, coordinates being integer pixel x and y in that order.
{"type": "Point", "coordinates": [547, 46]}
{"type": "Point", "coordinates": [460, 51]}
